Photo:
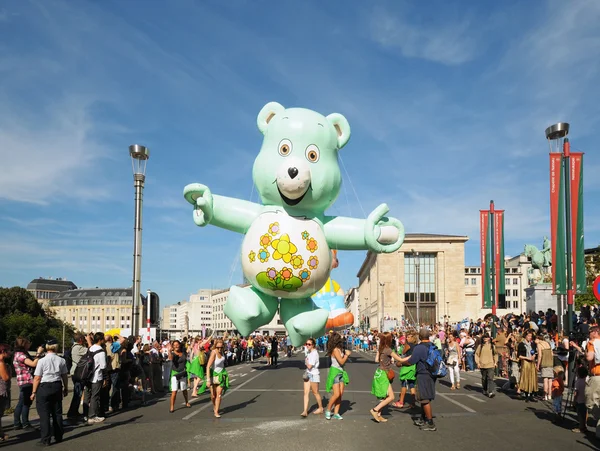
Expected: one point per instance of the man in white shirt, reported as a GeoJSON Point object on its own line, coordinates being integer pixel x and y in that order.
{"type": "Point", "coordinates": [93, 390]}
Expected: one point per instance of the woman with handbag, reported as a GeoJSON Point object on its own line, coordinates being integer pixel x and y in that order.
{"type": "Point", "coordinates": [384, 375]}
{"type": "Point", "coordinates": [527, 355]}
{"type": "Point", "coordinates": [337, 377]}
{"type": "Point", "coordinates": [178, 373]}
{"type": "Point", "coordinates": [218, 378]}
{"type": "Point", "coordinates": [311, 377]}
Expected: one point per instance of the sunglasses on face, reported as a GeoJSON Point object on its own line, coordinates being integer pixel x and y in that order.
{"type": "Point", "coordinates": [308, 344]}
{"type": "Point", "coordinates": [219, 347]}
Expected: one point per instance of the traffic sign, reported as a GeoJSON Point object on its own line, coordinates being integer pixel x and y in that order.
{"type": "Point", "coordinates": [596, 288]}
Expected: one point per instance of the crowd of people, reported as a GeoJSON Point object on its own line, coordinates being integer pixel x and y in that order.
{"type": "Point", "coordinates": [106, 373]}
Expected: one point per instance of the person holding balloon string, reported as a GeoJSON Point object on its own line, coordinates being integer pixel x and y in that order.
{"type": "Point", "coordinates": [218, 378]}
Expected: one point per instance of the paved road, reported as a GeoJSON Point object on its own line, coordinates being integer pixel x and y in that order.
{"type": "Point", "coordinates": [261, 412]}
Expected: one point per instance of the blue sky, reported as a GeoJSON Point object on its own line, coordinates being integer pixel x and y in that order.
{"type": "Point", "coordinates": [447, 101]}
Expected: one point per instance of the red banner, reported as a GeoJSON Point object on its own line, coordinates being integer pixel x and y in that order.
{"type": "Point", "coordinates": [556, 225]}
{"type": "Point", "coordinates": [499, 254]}
{"type": "Point", "coordinates": [577, 249]}
{"type": "Point", "coordinates": [486, 301]}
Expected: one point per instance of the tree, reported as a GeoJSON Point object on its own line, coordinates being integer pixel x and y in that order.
{"type": "Point", "coordinates": [17, 299]}
{"type": "Point", "coordinates": [22, 315]}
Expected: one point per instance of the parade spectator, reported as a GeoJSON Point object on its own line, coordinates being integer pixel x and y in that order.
{"type": "Point", "coordinates": [579, 399]}
{"type": "Point", "coordinates": [545, 364]}
{"type": "Point", "coordinates": [312, 377]}
{"type": "Point", "coordinates": [178, 359]}
{"type": "Point", "coordinates": [557, 389]}
{"type": "Point", "coordinates": [486, 359]}
{"type": "Point", "coordinates": [425, 381]}
{"type": "Point", "coordinates": [337, 377]}
{"type": "Point", "coordinates": [92, 407]}
{"type": "Point", "coordinates": [4, 386]}
{"type": "Point", "coordinates": [500, 344]}
{"type": "Point", "coordinates": [78, 350]}
{"type": "Point", "coordinates": [50, 384]}
{"type": "Point", "coordinates": [408, 373]}
{"type": "Point", "coordinates": [24, 367]}
{"type": "Point", "coordinates": [526, 352]}
{"type": "Point", "coordinates": [454, 357]}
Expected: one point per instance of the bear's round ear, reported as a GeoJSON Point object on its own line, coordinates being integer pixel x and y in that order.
{"type": "Point", "coordinates": [267, 113]}
{"type": "Point", "coordinates": [342, 128]}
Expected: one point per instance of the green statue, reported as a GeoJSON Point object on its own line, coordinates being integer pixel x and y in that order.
{"type": "Point", "coordinates": [286, 251]}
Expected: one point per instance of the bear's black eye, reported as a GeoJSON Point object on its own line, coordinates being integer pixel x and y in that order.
{"type": "Point", "coordinates": [285, 147]}
{"type": "Point", "coordinates": [312, 153]}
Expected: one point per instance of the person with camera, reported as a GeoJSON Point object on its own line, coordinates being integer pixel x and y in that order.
{"type": "Point", "coordinates": [592, 355]}
{"type": "Point", "coordinates": [50, 384]}
{"type": "Point", "coordinates": [24, 367]}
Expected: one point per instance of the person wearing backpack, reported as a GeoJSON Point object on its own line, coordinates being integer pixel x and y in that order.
{"type": "Point", "coordinates": [78, 350]}
{"type": "Point", "coordinates": [94, 380]}
{"type": "Point", "coordinates": [425, 379]}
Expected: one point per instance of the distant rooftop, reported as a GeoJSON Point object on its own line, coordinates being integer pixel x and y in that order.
{"type": "Point", "coordinates": [49, 284]}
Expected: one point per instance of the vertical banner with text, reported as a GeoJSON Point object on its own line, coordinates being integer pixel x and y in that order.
{"type": "Point", "coordinates": [557, 225]}
{"type": "Point", "coordinates": [484, 232]}
{"type": "Point", "coordinates": [576, 180]}
{"type": "Point", "coordinates": [499, 258]}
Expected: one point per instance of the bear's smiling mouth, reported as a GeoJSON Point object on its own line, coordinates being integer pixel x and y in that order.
{"type": "Point", "coordinates": [292, 202]}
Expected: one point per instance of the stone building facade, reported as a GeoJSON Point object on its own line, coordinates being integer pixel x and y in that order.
{"type": "Point", "coordinates": [388, 286]}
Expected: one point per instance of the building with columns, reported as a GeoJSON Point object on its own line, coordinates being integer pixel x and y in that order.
{"type": "Point", "coordinates": [388, 287]}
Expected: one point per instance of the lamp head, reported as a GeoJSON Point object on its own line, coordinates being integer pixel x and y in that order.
{"type": "Point", "coordinates": [139, 156]}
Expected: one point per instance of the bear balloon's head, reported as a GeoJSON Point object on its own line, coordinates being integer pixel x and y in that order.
{"type": "Point", "coordinates": [297, 167]}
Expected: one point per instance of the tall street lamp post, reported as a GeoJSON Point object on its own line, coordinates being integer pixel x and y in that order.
{"type": "Point", "coordinates": [139, 157]}
{"type": "Point", "coordinates": [418, 287]}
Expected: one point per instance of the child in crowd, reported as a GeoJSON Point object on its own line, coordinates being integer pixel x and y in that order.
{"type": "Point", "coordinates": [558, 387]}
{"type": "Point", "coordinates": [580, 408]}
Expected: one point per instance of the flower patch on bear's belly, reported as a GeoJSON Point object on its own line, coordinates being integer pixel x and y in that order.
{"type": "Point", "coordinates": [285, 254]}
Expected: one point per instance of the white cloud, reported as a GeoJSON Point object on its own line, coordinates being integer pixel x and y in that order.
{"type": "Point", "coordinates": [447, 42]}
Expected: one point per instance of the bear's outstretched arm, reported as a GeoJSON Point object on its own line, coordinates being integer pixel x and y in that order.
{"type": "Point", "coordinates": [234, 214]}
{"type": "Point", "coordinates": [377, 233]}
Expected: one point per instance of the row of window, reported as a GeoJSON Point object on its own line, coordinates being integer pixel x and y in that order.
{"type": "Point", "coordinates": [477, 270]}
{"type": "Point", "coordinates": [473, 280]}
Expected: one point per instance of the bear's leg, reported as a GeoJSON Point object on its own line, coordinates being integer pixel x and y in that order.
{"type": "Point", "coordinates": [248, 309]}
{"type": "Point", "coordinates": [302, 319]}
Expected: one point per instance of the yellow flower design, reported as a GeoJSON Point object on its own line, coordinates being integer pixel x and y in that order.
{"type": "Point", "coordinates": [274, 228]}
{"type": "Point", "coordinates": [265, 240]}
{"type": "Point", "coordinates": [283, 248]}
{"type": "Point", "coordinates": [263, 255]}
{"type": "Point", "coordinates": [297, 261]}
{"type": "Point", "coordinates": [312, 245]}
{"type": "Point", "coordinates": [305, 235]}
{"type": "Point", "coordinates": [286, 273]}
{"type": "Point", "coordinates": [313, 262]}
{"type": "Point", "coordinates": [252, 256]}
{"type": "Point", "coordinates": [304, 274]}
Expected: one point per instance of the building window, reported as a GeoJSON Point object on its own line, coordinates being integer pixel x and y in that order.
{"type": "Point", "coordinates": [507, 293]}
{"type": "Point", "coordinates": [426, 278]}
{"type": "Point", "coordinates": [466, 281]}
{"type": "Point", "coordinates": [515, 293]}
{"type": "Point", "coordinates": [473, 270]}
{"type": "Point", "coordinates": [473, 281]}
{"type": "Point", "coordinates": [515, 281]}
{"type": "Point", "coordinates": [515, 304]}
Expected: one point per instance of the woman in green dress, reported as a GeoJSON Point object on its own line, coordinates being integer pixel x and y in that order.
{"type": "Point", "coordinates": [196, 365]}
{"type": "Point", "coordinates": [384, 375]}
{"type": "Point", "coordinates": [218, 380]}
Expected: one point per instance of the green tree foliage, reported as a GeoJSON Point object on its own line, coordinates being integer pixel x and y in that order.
{"type": "Point", "coordinates": [22, 315]}
{"type": "Point", "coordinates": [592, 269]}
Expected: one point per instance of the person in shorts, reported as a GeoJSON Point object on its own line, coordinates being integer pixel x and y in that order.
{"type": "Point", "coordinates": [425, 381]}
{"type": "Point", "coordinates": [312, 378]}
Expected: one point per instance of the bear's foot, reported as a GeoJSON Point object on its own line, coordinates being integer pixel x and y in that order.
{"type": "Point", "coordinates": [248, 309]}
{"type": "Point", "coordinates": [302, 319]}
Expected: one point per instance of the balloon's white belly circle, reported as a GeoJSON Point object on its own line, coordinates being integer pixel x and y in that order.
{"type": "Point", "coordinates": [285, 256]}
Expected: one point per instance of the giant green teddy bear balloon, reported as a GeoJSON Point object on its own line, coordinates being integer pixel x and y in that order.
{"type": "Point", "coordinates": [286, 252]}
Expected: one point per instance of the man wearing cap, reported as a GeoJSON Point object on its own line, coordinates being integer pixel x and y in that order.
{"type": "Point", "coordinates": [50, 383]}
{"type": "Point", "coordinates": [425, 381]}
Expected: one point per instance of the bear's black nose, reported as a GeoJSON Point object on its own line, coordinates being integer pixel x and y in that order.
{"type": "Point", "coordinates": [293, 172]}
